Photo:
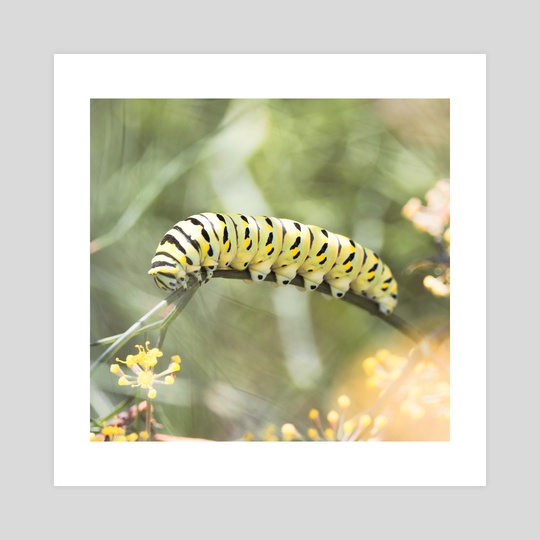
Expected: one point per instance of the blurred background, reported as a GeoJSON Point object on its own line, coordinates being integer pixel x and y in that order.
{"type": "Point", "coordinates": [256, 356]}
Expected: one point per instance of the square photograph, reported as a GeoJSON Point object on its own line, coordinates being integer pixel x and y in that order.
{"type": "Point", "coordinates": [270, 270]}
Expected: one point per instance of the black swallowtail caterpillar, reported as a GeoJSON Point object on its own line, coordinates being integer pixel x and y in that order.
{"type": "Point", "coordinates": [262, 245]}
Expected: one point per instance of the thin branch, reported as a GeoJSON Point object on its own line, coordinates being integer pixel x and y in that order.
{"type": "Point", "coordinates": [181, 297]}
{"type": "Point", "coordinates": [112, 339]}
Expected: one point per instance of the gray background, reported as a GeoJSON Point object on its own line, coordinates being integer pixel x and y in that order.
{"type": "Point", "coordinates": [33, 32]}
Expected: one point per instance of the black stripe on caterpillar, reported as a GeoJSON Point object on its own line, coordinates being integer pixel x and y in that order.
{"type": "Point", "coordinates": [261, 245]}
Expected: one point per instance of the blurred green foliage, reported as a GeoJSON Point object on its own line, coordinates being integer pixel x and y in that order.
{"type": "Point", "coordinates": [255, 354]}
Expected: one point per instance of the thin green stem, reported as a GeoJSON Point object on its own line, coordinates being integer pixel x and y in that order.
{"type": "Point", "coordinates": [112, 339]}
{"type": "Point", "coordinates": [118, 409]}
{"type": "Point", "coordinates": [181, 297]}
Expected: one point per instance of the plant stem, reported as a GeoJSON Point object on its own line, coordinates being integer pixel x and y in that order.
{"type": "Point", "coordinates": [149, 418]}
{"type": "Point", "coordinates": [181, 296]}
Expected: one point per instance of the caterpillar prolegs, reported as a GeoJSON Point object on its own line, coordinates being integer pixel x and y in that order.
{"type": "Point", "coordinates": [261, 245]}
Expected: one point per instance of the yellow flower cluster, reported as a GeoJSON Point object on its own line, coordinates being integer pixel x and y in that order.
{"type": "Point", "coordinates": [383, 368]}
{"type": "Point", "coordinates": [142, 365]}
{"type": "Point", "coordinates": [336, 427]}
{"type": "Point", "coordinates": [340, 429]}
{"type": "Point", "coordinates": [424, 389]}
{"type": "Point", "coordinates": [112, 433]}
{"type": "Point", "coordinates": [434, 218]}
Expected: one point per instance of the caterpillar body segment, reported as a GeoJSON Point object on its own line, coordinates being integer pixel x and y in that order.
{"type": "Point", "coordinates": [296, 241]}
{"type": "Point", "coordinates": [262, 244]}
{"type": "Point", "coordinates": [269, 248]}
{"type": "Point", "coordinates": [322, 255]}
{"type": "Point", "coordinates": [222, 228]}
{"type": "Point", "coordinates": [247, 234]}
{"type": "Point", "coordinates": [347, 266]}
{"type": "Point", "coordinates": [377, 283]}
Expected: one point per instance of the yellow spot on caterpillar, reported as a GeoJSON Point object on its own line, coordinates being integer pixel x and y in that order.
{"type": "Point", "coordinates": [294, 251]}
{"type": "Point", "coordinates": [385, 286]}
{"type": "Point", "coordinates": [270, 228]}
{"type": "Point", "coordinates": [371, 275]}
{"type": "Point", "coordinates": [208, 248]}
{"type": "Point", "coordinates": [269, 248]}
{"type": "Point", "coordinates": [347, 266]}
{"type": "Point", "coordinates": [227, 245]}
{"type": "Point", "coordinates": [248, 243]}
{"type": "Point", "coordinates": [321, 258]}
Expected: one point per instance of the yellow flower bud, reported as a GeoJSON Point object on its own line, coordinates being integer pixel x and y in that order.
{"type": "Point", "coordinates": [111, 431]}
{"type": "Point", "coordinates": [329, 433]}
{"type": "Point", "coordinates": [122, 381]}
{"type": "Point", "coordinates": [348, 427]}
{"type": "Point", "coordinates": [176, 359]}
{"type": "Point", "coordinates": [169, 379]}
{"type": "Point", "coordinates": [312, 434]}
{"type": "Point", "coordinates": [365, 420]}
{"type": "Point", "coordinates": [115, 368]}
{"type": "Point", "coordinates": [314, 414]}
{"type": "Point", "coordinates": [152, 393]}
{"type": "Point", "coordinates": [289, 431]}
{"type": "Point", "coordinates": [344, 402]}
{"type": "Point", "coordinates": [369, 365]}
{"type": "Point", "coordinates": [144, 436]}
{"type": "Point", "coordinates": [333, 417]}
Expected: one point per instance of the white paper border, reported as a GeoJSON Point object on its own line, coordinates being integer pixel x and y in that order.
{"type": "Point", "coordinates": [461, 78]}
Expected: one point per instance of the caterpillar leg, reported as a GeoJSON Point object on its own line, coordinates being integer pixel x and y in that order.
{"type": "Point", "coordinates": [337, 293]}
{"type": "Point", "coordinates": [283, 279]}
{"type": "Point", "coordinates": [257, 275]}
{"type": "Point", "coordinates": [198, 275]}
{"type": "Point", "coordinates": [310, 285]}
{"type": "Point", "coordinates": [181, 283]}
{"type": "Point", "coordinates": [209, 272]}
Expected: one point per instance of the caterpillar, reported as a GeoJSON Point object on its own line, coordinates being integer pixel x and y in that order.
{"type": "Point", "coordinates": [261, 245]}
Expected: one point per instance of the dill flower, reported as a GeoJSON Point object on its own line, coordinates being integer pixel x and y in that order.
{"type": "Point", "coordinates": [434, 217]}
{"type": "Point", "coordinates": [114, 433]}
{"type": "Point", "coordinates": [438, 286]}
{"type": "Point", "coordinates": [142, 367]}
{"type": "Point", "coordinates": [424, 390]}
{"type": "Point", "coordinates": [339, 428]}
{"type": "Point", "coordinates": [269, 433]}
{"type": "Point", "coordinates": [290, 432]}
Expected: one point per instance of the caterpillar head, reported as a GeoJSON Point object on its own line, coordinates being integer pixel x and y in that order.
{"type": "Point", "coordinates": [167, 275]}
